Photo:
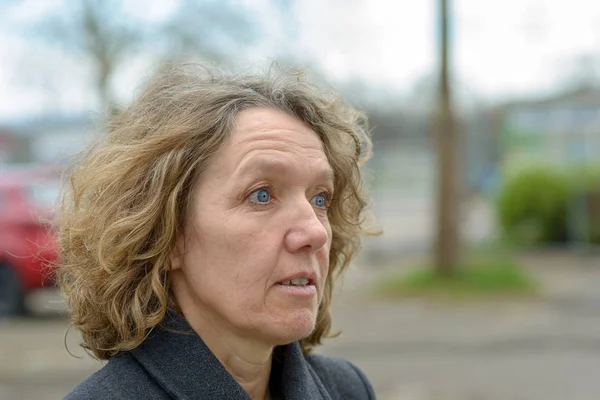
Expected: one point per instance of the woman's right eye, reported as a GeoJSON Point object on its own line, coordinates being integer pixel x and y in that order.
{"type": "Point", "coordinates": [260, 196]}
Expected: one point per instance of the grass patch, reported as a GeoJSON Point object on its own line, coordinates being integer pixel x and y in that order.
{"type": "Point", "coordinates": [475, 280]}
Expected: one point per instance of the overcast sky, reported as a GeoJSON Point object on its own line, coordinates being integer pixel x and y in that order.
{"type": "Point", "coordinates": [502, 48]}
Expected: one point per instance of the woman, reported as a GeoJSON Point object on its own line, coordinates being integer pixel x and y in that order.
{"type": "Point", "coordinates": [201, 238]}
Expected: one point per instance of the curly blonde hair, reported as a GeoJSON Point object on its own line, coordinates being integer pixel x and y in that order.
{"type": "Point", "coordinates": [124, 203]}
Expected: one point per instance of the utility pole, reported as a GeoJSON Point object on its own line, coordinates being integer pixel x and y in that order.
{"type": "Point", "coordinates": [448, 241]}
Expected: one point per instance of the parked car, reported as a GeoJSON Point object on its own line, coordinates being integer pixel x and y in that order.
{"type": "Point", "coordinates": [27, 243]}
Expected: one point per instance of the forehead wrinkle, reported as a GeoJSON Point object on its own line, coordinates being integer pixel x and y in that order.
{"type": "Point", "coordinates": [271, 161]}
{"type": "Point", "coordinates": [277, 136]}
{"type": "Point", "coordinates": [248, 146]}
{"type": "Point", "coordinates": [259, 141]}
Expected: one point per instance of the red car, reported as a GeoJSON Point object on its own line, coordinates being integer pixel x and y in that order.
{"type": "Point", "coordinates": [27, 244]}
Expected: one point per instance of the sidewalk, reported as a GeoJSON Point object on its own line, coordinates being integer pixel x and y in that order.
{"type": "Point", "coordinates": [415, 350]}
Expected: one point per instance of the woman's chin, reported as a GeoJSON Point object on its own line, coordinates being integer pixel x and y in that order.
{"type": "Point", "coordinates": [295, 328]}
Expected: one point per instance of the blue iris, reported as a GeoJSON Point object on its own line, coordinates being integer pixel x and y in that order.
{"type": "Point", "coordinates": [320, 200]}
{"type": "Point", "coordinates": [261, 196]}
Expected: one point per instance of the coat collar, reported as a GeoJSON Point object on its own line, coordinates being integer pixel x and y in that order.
{"type": "Point", "coordinates": [181, 363]}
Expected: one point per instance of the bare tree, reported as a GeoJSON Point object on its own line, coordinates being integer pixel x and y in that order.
{"type": "Point", "coordinates": [448, 241]}
{"type": "Point", "coordinates": [97, 31]}
{"type": "Point", "coordinates": [106, 37]}
{"type": "Point", "coordinates": [208, 29]}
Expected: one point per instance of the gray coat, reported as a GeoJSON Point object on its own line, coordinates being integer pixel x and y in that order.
{"type": "Point", "coordinates": [174, 363]}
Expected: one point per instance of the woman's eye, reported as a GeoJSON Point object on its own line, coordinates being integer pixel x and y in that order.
{"type": "Point", "coordinates": [261, 196]}
{"type": "Point", "coordinates": [321, 200]}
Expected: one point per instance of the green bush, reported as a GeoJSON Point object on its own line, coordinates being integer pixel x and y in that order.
{"type": "Point", "coordinates": [532, 206]}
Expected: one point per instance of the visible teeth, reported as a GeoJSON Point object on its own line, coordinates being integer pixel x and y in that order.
{"type": "Point", "coordinates": [296, 282]}
{"type": "Point", "coordinates": [300, 281]}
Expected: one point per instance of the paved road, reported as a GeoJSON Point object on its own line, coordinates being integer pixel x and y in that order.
{"type": "Point", "coordinates": [546, 348]}
{"type": "Point", "coordinates": [538, 349]}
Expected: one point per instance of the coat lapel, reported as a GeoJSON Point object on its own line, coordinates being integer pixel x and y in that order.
{"type": "Point", "coordinates": [183, 366]}
{"type": "Point", "coordinates": [181, 363]}
{"type": "Point", "coordinates": [298, 379]}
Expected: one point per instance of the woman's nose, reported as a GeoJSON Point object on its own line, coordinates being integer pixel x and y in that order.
{"type": "Point", "coordinates": [307, 231]}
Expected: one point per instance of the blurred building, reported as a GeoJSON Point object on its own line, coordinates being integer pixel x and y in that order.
{"type": "Point", "coordinates": [564, 130]}
{"type": "Point", "coordinates": [50, 139]}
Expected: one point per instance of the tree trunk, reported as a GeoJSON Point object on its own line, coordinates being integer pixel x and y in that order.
{"type": "Point", "coordinates": [105, 72]}
{"type": "Point", "coordinates": [448, 243]}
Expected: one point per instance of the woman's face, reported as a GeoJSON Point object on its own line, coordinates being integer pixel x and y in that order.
{"type": "Point", "coordinates": [258, 221]}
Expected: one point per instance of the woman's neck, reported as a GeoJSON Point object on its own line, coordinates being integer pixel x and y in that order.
{"type": "Point", "coordinates": [247, 360]}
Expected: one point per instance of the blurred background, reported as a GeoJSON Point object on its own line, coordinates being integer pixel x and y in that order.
{"type": "Point", "coordinates": [485, 176]}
